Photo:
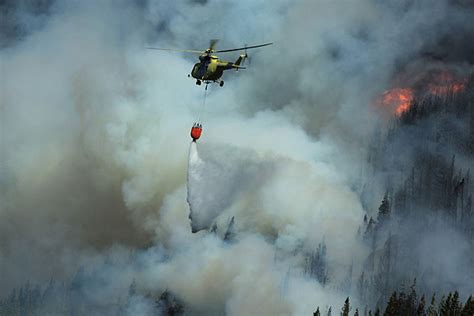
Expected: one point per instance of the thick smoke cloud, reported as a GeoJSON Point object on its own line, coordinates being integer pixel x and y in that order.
{"type": "Point", "coordinates": [95, 145]}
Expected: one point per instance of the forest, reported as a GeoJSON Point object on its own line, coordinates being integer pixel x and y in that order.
{"type": "Point", "coordinates": [434, 191]}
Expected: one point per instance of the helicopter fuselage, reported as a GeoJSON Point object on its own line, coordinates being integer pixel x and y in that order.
{"type": "Point", "coordinates": [211, 68]}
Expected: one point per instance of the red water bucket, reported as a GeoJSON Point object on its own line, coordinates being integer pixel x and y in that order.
{"type": "Point", "coordinates": [196, 131]}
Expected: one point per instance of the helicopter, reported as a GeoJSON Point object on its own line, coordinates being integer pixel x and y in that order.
{"type": "Point", "coordinates": [210, 68]}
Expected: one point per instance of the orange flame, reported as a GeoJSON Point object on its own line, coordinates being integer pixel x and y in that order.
{"type": "Point", "coordinates": [436, 83]}
{"type": "Point", "coordinates": [399, 99]}
{"type": "Point", "coordinates": [443, 83]}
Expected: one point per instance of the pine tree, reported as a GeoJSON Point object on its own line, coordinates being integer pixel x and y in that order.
{"type": "Point", "coordinates": [321, 271]}
{"type": "Point", "coordinates": [411, 302]}
{"type": "Point", "coordinates": [168, 304]}
{"type": "Point", "coordinates": [392, 306]}
{"type": "Point", "coordinates": [443, 305]}
{"type": "Point", "coordinates": [384, 209]}
{"type": "Point", "coordinates": [346, 308]}
{"type": "Point", "coordinates": [420, 311]}
{"type": "Point", "coordinates": [432, 309]}
{"type": "Point", "coordinates": [316, 264]}
{"type": "Point", "coordinates": [229, 234]}
{"type": "Point", "coordinates": [370, 228]}
{"type": "Point", "coordinates": [468, 309]}
{"type": "Point", "coordinates": [455, 305]}
{"type": "Point", "coordinates": [317, 313]}
{"type": "Point", "coordinates": [361, 287]}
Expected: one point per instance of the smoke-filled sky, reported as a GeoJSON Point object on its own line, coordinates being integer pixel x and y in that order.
{"type": "Point", "coordinates": [95, 142]}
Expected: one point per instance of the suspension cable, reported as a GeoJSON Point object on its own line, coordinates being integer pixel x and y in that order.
{"type": "Point", "coordinates": [203, 109]}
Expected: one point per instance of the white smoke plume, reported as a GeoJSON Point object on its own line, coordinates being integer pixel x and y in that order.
{"type": "Point", "coordinates": [95, 133]}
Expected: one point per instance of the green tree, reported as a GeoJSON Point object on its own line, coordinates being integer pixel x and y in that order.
{"type": "Point", "coordinates": [468, 309]}
{"type": "Point", "coordinates": [392, 306]}
{"type": "Point", "coordinates": [420, 311]}
{"type": "Point", "coordinates": [410, 303]}
{"type": "Point", "coordinates": [384, 210]}
{"type": "Point", "coordinates": [455, 305]}
{"type": "Point", "coordinates": [443, 305]}
{"type": "Point", "coordinates": [432, 309]}
{"type": "Point", "coordinates": [346, 308]}
{"type": "Point", "coordinates": [317, 313]}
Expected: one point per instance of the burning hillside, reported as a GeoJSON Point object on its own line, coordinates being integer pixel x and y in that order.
{"type": "Point", "coordinates": [432, 83]}
{"type": "Point", "coordinates": [445, 82]}
{"type": "Point", "coordinates": [398, 99]}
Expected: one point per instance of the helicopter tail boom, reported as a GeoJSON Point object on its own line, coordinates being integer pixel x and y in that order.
{"type": "Point", "coordinates": [237, 67]}
{"type": "Point", "coordinates": [240, 60]}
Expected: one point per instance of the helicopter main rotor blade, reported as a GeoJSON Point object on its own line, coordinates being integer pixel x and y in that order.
{"type": "Point", "coordinates": [241, 48]}
{"type": "Point", "coordinates": [212, 44]}
{"type": "Point", "coordinates": [177, 50]}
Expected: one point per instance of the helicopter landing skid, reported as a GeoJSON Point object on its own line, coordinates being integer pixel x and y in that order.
{"type": "Point", "coordinates": [206, 82]}
{"type": "Point", "coordinates": [219, 81]}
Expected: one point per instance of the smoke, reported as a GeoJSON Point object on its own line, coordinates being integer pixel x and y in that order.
{"type": "Point", "coordinates": [95, 133]}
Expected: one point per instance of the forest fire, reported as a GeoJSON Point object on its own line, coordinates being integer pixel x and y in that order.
{"type": "Point", "coordinates": [442, 83]}
{"type": "Point", "coordinates": [398, 99]}
{"type": "Point", "coordinates": [438, 83]}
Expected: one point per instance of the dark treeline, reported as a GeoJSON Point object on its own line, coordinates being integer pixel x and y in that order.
{"type": "Point", "coordinates": [72, 298]}
{"type": "Point", "coordinates": [409, 304]}
{"type": "Point", "coordinates": [60, 298]}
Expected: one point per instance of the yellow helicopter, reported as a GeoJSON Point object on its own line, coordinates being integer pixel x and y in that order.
{"type": "Point", "coordinates": [210, 68]}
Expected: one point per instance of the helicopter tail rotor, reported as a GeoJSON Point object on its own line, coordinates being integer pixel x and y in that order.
{"type": "Point", "coordinates": [240, 62]}
{"type": "Point", "coordinates": [247, 57]}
